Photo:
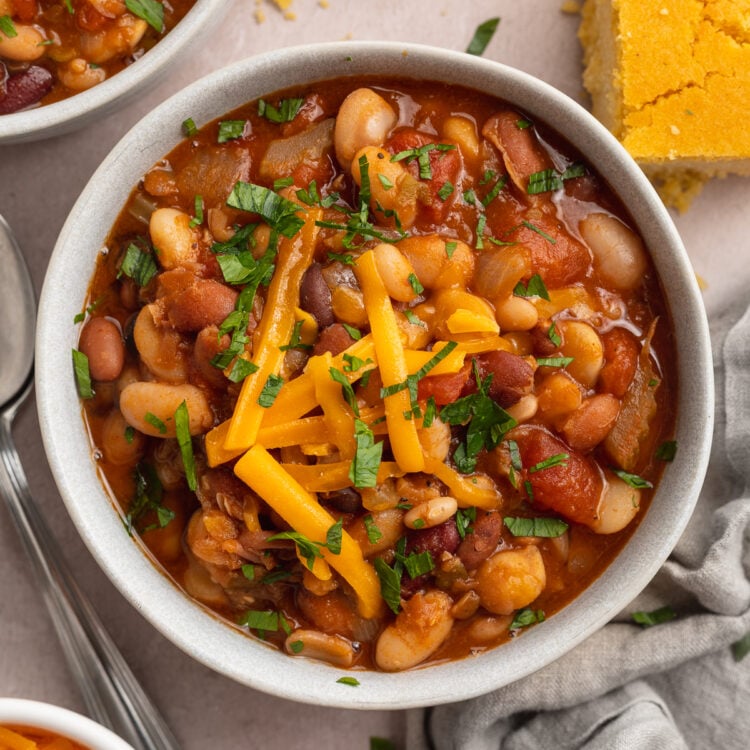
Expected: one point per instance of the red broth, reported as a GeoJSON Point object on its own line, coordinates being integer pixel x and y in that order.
{"type": "Point", "coordinates": [425, 359]}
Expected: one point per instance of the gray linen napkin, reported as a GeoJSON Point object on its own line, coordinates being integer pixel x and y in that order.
{"type": "Point", "coordinates": [675, 685]}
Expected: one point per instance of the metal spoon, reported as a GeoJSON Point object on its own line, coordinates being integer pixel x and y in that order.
{"type": "Point", "coordinates": [109, 689]}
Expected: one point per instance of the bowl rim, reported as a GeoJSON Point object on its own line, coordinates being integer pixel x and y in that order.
{"type": "Point", "coordinates": [63, 721]}
{"type": "Point", "coordinates": [171, 611]}
{"type": "Point", "coordinates": [72, 112]}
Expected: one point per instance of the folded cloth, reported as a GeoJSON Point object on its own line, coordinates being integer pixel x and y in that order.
{"type": "Point", "coordinates": [675, 685]}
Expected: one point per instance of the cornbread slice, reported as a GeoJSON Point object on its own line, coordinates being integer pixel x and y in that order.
{"type": "Point", "coordinates": [671, 79]}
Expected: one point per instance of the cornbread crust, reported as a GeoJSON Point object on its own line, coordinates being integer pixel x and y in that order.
{"type": "Point", "coordinates": [671, 79]}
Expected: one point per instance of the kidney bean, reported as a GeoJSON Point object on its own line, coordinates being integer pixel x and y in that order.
{"type": "Point", "coordinates": [25, 88]}
{"type": "Point", "coordinates": [591, 422]}
{"type": "Point", "coordinates": [333, 339]}
{"type": "Point", "coordinates": [481, 541]}
{"type": "Point", "coordinates": [621, 351]}
{"type": "Point", "coordinates": [544, 346]}
{"type": "Point", "coordinates": [572, 487]}
{"type": "Point", "coordinates": [102, 343]}
{"type": "Point", "coordinates": [315, 296]}
{"type": "Point", "coordinates": [435, 540]}
{"type": "Point", "coordinates": [203, 303]}
{"type": "Point", "coordinates": [345, 500]}
{"type": "Point", "coordinates": [512, 376]}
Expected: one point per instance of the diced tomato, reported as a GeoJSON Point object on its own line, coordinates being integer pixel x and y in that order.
{"type": "Point", "coordinates": [24, 10]}
{"type": "Point", "coordinates": [445, 389]}
{"type": "Point", "coordinates": [90, 19]}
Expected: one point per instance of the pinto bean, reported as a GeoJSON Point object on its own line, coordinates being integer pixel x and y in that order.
{"type": "Point", "coordinates": [203, 303]}
{"type": "Point", "coordinates": [512, 376]}
{"type": "Point", "coordinates": [102, 343]}
{"type": "Point", "coordinates": [25, 88]}
{"type": "Point", "coordinates": [572, 487]}
{"type": "Point", "coordinates": [621, 351]}
{"type": "Point", "coordinates": [482, 541]}
{"type": "Point", "coordinates": [591, 422]}
{"type": "Point", "coordinates": [315, 296]}
{"type": "Point", "coordinates": [334, 339]}
{"type": "Point", "coordinates": [207, 346]}
{"type": "Point", "coordinates": [161, 349]}
{"type": "Point", "coordinates": [419, 630]}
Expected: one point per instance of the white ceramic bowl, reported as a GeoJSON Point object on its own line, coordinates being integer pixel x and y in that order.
{"type": "Point", "coordinates": [201, 633]}
{"type": "Point", "coordinates": [73, 726]}
{"type": "Point", "coordinates": [114, 93]}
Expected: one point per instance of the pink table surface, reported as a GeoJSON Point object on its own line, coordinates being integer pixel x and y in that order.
{"type": "Point", "coordinates": [39, 183]}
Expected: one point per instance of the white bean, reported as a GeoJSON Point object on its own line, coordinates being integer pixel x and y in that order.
{"type": "Point", "coordinates": [419, 630]}
{"type": "Point", "coordinates": [516, 314]}
{"type": "Point", "coordinates": [435, 439]}
{"type": "Point", "coordinates": [524, 409]}
{"type": "Point", "coordinates": [364, 119]}
{"type": "Point", "coordinates": [394, 270]}
{"type": "Point", "coordinates": [26, 46]}
{"type": "Point", "coordinates": [321, 646]}
{"type": "Point", "coordinates": [431, 513]}
{"type": "Point", "coordinates": [174, 240]}
{"type": "Point", "coordinates": [619, 255]}
{"type": "Point", "coordinates": [78, 75]}
{"type": "Point", "coordinates": [161, 400]}
{"type": "Point", "coordinates": [464, 132]}
{"type": "Point", "coordinates": [618, 507]}
{"type": "Point", "coordinates": [114, 41]}
{"type": "Point", "coordinates": [582, 343]}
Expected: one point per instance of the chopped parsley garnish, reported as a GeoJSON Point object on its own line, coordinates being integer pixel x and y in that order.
{"type": "Point", "coordinates": [285, 112]}
{"type": "Point", "coordinates": [80, 317]}
{"type": "Point", "coordinates": [487, 420]}
{"type": "Point", "coordinates": [550, 179]}
{"type": "Point", "coordinates": [657, 617]}
{"type": "Point", "coordinates": [523, 124]}
{"type": "Point", "coordinates": [412, 380]}
{"type": "Point", "coordinates": [353, 363]}
{"type": "Point", "coordinates": [155, 422]}
{"type": "Point", "coordinates": [632, 480]}
{"type": "Point", "coordinates": [540, 232]}
{"type": "Point", "coordinates": [380, 743]}
{"type": "Point", "coordinates": [279, 213]}
{"type": "Point", "coordinates": [230, 130]}
{"type": "Point", "coordinates": [450, 248]}
{"type": "Point", "coordinates": [554, 361]}
{"type": "Point", "coordinates": [390, 583]}
{"type": "Point", "coordinates": [413, 319]}
{"type": "Point", "coordinates": [189, 127]}
{"type": "Point", "coordinates": [415, 283]}
{"type": "Point", "coordinates": [385, 182]}
{"type": "Point", "coordinates": [311, 197]}
{"type": "Point", "coordinates": [295, 341]}
{"type": "Point", "coordinates": [283, 182]}
{"type": "Point", "coordinates": [151, 11]}
{"type": "Point", "coordinates": [351, 681]}
{"type": "Point", "coordinates": [430, 412]}
{"type": "Point", "coordinates": [526, 617]}
{"type": "Point", "coordinates": [129, 434]}
{"type": "Point", "coordinates": [374, 534]}
{"type": "Point", "coordinates": [541, 527]}
{"type": "Point", "coordinates": [7, 27]}
{"type": "Point", "coordinates": [667, 450]}
{"type": "Point", "coordinates": [741, 648]}
{"type": "Point", "coordinates": [148, 498]}
{"type": "Point", "coordinates": [248, 570]}
{"type": "Point", "coordinates": [270, 390]}
{"type": "Point", "coordinates": [261, 619]}
{"type": "Point", "coordinates": [482, 36]}
{"type": "Point", "coordinates": [197, 220]}
{"type": "Point", "coordinates": [494, 192]}
{"type": "Point", "coordinates": [559, 459]}
{"type": "Point", "coordinates": [355, 333]}
{"type": "Point", "coordinates": [242, 268]}
{"type": "Point", "coordinates": [185, 441]}
{"type": "Point", "coordinates": [346, 388]}
{"type": "Point", "coordinates": [481, 224]}
{"type": "Point", "coordinates": [422, 155]}
{"type": "Point", "coordinates": [82, 374]}
{"type": "Point", "coordinates": [364, 468]}
{"type": "Point", "coordinates": [516, 464]}
{"type": "Point", "coordinates": [346, 258]}
{"type": "Point", "coordinates": [534, 288]}
{"type": "Point", "coordinates": [138, 265]}
{"type": "Point", "coordinates": [418, 563]}
{"type": "Point", "coordinates": [470, 197]}
{"type": "Point", "coordinates": [465, 517]}
{"type": "Point", "coordinates": [553, 335]}
{"type": "Point", "coordinates": [308, 549]}
{"type": "Point", "coordinates": [236, 325]}
{"type": "Point", "coordinates": [69, 6]}
{"type": "Point", "coordinates": [296, 646]}
{"type": "Point", "coordinates": [446, 190]}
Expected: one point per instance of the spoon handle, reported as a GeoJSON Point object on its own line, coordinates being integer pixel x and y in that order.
{"type": "Point", "coordinates": [110, 691]}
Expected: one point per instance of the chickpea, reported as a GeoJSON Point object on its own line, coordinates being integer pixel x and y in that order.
{"type": "Point", "coordinates": [511, 579]}
{"type": "Point", "coordinates": [558, 395]}
{"type": "Point", "coordinates": [364, 119]}
{"type": "Point", "coordinates": [161, 400]}
{"type": "Point", "coordinates": [78, 75]}
{"type": "Point", "coordinates": [419, 630]}
{"type": "Point", "coordinates": [26, 46]}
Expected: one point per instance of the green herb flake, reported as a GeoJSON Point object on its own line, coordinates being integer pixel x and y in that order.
{"type": "Point", "coordinates": [667, 451]}
{"type": "Point", "coordinates": [390, 583]}
{"type": "Point", "coordinates": [430, 412]}
{"type": "Point", "coordinates": [364, 468]}
{"type": "Point", "coordinates": [155, 422]}
{"type": "Point", "coordinates": [355, 333]}
{"type": "Point", "coordinates": [296, 647]}
{"type": "Point", "coordinates": [346, 389]}
{"type": "Point", "coordinates": [278, 212]}
{"type": "Point", "coordinates": [553, 335]}
{"type": "Point", "coordinates": [138, 265]}
{"type": "Point", "coordinates": [148, 499]}
{"type": "Point", "coordinates": [82, 375]}
{"type": "Point", "coordinates": [295, 341]}
{"type": "Point", "coordinates": [413, 319]}
{"type": "Point", "coordinates": [422, 155]}
{"type": "Point", "coordinates": [385, 182]}
{"type": "Point", "coordinates": [308, 549]}
{"type": "Point", "coordinates": [534, 288]}
{"type": "Point", "coordinates": [248, 570]}
{"type": "Point", "coordinates": [129, 435]}
{"type": "Point", "coordinates": [7, 27]}
{"type": "Point", "coordinates": [418, 563]}
{"type": "Point", "coordinates": [494, 192]}
{"type": "Point", "coordinates": [465, 517]}
{"type": "Point", "coordinates": [446, 190]}
{"type": "Point", "coordinates": [189, 127]}
{"type": "Point", "coordinates": [526, 617]}
{"type": "Point", "coordinates": [633, 480]}
{"type": "Point", "coordinates": [151, 11]}
{"type": "Point", "coordinates": [260, 619]}
{"type": "Point", "coordinates": [230, 130]}
{"type": "Point", "coordinates": [540, 232]}
{"type": "Point", "coordinates": [657, 617]}
{"type": "Point", "coordinates": [415, 283]}
{"type": "Point", "coordinates": [554, 361]}
{"type": "Point", "coordinates": [544, 181]}
{"type": "Point", "coordinates": [197, 220]}
{"type": "Point", "coordinates": [185, 441]}
{"type": "Point", "coordinates": [241, 368]}
{"type": "Point", "coordinates": [350, 681]}
{"type": "Point", "coordinates": [559, 459]}
{"type": "Point", "coordinates": [270, 390]}
{"type": "Point", "coordinates": [741, 648]}
{"type": "Point", "coordinates": [523, 124]}
{"type": "Point", "coordinates": [482, 36]}
{"type": "Point", "coordinates": [481, 224]}
{"type": "Point", "coordinates": [346, 258]}
{"type": "Point", "coordinates": [80, 317]}
{"type": "Point", "coordinates": [548, 528]}
{"type": "Point", "coordinates": [333, 537]}
{"type": "Point", "coordinates": [286, 111]}
{"type": "Point", "coordinates": [374, 534]}
{"type": "Point", "coordinates": [283, 182]}
{"type": "Point", "coordinates": [450, 248]}
{"type": "Point", "coordinates": [470, 197]}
